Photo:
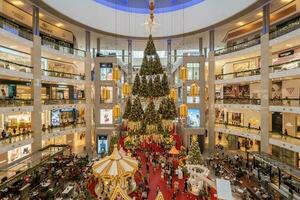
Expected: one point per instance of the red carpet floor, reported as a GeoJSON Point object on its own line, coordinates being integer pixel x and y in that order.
{"type": "Point", "coordinates": [156, 180]}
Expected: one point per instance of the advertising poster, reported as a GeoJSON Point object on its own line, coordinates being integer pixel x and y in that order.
{"type": "Point", "coordinates": [55, 118]}
{"type": "Point", "coordinates": [193, 120]}
{"type": "Point", "coordinates": [276, 90]}
{"type": "Point", "coordinates": [236, 91]}
{"type": "Point", "coordinates": [3, 91]}
{"type": "Point", "coordinates": [102, 144]}
{"type": "Point", "coordinates": [106, 116]}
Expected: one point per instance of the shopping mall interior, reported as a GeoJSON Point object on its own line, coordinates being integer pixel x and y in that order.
{"type": "Point", "coordinates": [151, 99]}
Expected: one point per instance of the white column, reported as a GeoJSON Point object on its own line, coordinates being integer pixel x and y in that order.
{"type": "Point", "coordinates": [265, 81]}
{"type": "Point", "coordinates": [211, 92]}
{"type": "Point", "coordinates": [89, 103]}
{"type": "Point", "coordinates": [202, 94]}
{"type": "Point", "coordinates": [36, 115]}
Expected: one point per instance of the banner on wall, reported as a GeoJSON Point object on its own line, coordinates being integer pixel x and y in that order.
{"type": "Point", "coordinates": [25, 18]}
{"type": "Point", "coordinates": [276, 90]}
{"type": "Point", "coordinates": [236, 91]}
{"type": "Point", "coordinates": [193, 120]}
{"type": "Point", "coordinates": [106, 116]}
{"type": "Point", "coordinates": [18, 153]}
{"type": "Point", "coordinates": [3, 91]}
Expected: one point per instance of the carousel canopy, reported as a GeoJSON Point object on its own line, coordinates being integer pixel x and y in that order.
{"type": "Point", "coordinates": [174, 151]}
{"type": "Point", "coordinates": [159, 196]}
{"type": "Point", "coordinates": [115, 165]}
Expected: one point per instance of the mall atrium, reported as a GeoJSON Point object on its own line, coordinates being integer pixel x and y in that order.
{"type": "Point", "coordinates": [149, 99]}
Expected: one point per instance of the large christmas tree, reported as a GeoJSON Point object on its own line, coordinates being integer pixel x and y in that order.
{"type": "Point", "coordinates": [152, 88]}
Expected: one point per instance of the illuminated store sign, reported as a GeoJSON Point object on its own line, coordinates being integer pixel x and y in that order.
{"type": "Point", "coordinates": [286, 53]}
{"type": "Point", "coordinates": [26, 19]}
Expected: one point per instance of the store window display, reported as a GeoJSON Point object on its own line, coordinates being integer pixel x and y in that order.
{"type": "Point", "coordinates": [17, 122]}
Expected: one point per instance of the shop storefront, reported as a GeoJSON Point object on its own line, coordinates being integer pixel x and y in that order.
{"type": "Point", "coordinates": [52, 91]}
{"type": "Point", "coordinates": [233, 142]}
{"type": "Point", "coordinates": [15, 89]}
{"type": "Point", "coordinates": [21, 121]}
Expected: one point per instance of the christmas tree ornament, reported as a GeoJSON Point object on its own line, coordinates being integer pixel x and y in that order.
{"type": "Point", "coordinates": [195, 90]}
{"type": "Point", "coordinates": [173, 94]}
{"type": "Point", "coordinates": [183, 110]}
{"type": "Point", "coordinates": [116, 111]}
{"type": "Point", "coordinates": [105, 93]}
{"type": "Point", "coordinates": [116, 74]}
{"type": "Point", "coordinates": [126, 89]}
{"type": "Point", "coordinates": [183, 73]}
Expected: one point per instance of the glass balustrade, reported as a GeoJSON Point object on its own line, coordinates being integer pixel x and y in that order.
{"type": "Point", "coordinates": [14, 28]}
{"type": "Point", "coordinates": [289, 26]}
{"type": "Point", "coordinates": [63, 75]}
{"type": "Point", "coordinates": [245, 73]}
{"type": "Point", "coordinates": [238, 127]}
{"type": "Point", "coordinates": [64, 126]}
{"type": "Point", "coordinates": [237, 101]}
{"type": "Point", "coordinates": [62, 101]}
{"type": "Point", "coordinates": [63, 49]}
{"type": "Point", "coordinates": [15, 66]}
{"type": "Point", "coordinates": [15, 102]}
{"type": "Point", "coordinates": [238, 47]}
{"type": "Point", "coordinates": [285, 66]}
{"type": "Point", "coordinates": [12, 138]}
{"type": "Point", "coordinates": [285, 138]}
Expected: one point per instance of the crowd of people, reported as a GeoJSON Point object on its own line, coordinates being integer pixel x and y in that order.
{"type": "Point", "coordinates": [63, 176]}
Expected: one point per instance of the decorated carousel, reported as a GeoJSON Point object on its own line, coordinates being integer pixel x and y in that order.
{"type": "Point", "coordinates": [116, 174]}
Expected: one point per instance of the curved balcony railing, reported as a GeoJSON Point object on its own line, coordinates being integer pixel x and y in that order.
{"type": "Point", "coordinates": [62, 101]}
{"type": "Point", "coordinates": [290, 26]}
{"type": "Point", "coordinates": [238, 101]}
{"type": "Point", "coordinates": [63, 75]}
{"type": "Point", "coordinates": [63, 126]}
{"type": "Point", "coordinates": [285, 102]}
{"type": "Point", "coordinates": [15, 66]}
{"type": "Point", "coordinates": [14, 28]}
{"type": "Point", "coordinates": [238, 127]}
{"type": "Point", "coordinates": [286, 138]}
{"type": "Point", "coordinates": [64, 49]}
{"type": "Point", "coordinates": [285, 66]}
{"type": "Point", "coordinates": [238, 47]}
{"type": "Point", "coordinates": [15, 102]}
{"type": "Point", "coordinates": [250, 72]}
{"type": "Point", "coordinates": [10, 139]}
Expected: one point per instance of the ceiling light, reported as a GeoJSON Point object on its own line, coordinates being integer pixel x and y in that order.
{"type": "Point", "coordinates": [286, 1]}
{"type": "Point", "coordinates": [288, 45]}
{"type": "Point", "coordinates": [13, 47]}
{"type": "Point", "coordinates": [17, 3]}
{"type": "Point", "coordinates": [260, 14]}
{"type": "Point", "coordinates": [59, 24]}
{"type": "Point", "coordinates": [41, 15]}
{"type": "Point", "coordinates": [240, 23]}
